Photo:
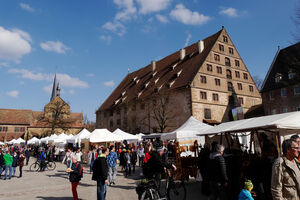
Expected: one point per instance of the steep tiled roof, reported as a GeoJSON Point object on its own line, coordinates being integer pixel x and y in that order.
{"type": "Point", "coordinates": [15, 116]}
{"type": "Point", "coordinates": [171, 72]}
{"type": "Point", "coordinates": [287, 59]}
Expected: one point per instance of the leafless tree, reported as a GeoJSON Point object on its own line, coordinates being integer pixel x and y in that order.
{"type": "Point", "coordinates": [56, 116]}
{"type": "Point", "coordinates": [258, 81]}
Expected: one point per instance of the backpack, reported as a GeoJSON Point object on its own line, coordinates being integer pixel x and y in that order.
{"type": "Point", "coordinates": [81, 170]}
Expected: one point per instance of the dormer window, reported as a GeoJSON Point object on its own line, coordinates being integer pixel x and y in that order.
{"type": "Point", "coordinates": [291, 75]}
{"type": "Point", "coordinates": [278, 77]}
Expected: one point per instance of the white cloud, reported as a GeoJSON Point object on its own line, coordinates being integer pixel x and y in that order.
{"type": "Point", "coordinates": [57, 47]}
{"type": "Point", "coordinates": [106, 38]}
{"type": "Point", "coordinates": [13, 94]}
{"type": "Point", "coordinates": [72, 92]}
{"type": "Point", "coordinates": [115, 27]}
{"type": "Point", "coordinates": [147, 6]}
{"type": "Point", "coordinates": [90, 75]}
{"type": "Point", "coordinates": [109, 83]}
{"type": "Point", "coordinates": [48, 88]}
{"type": "Point", "coordinates": [128, 9]}
{"type": "Point", "coordinates": [26, 7]}
{"type": "Point", "coordinates": [4, 64]}
{"type": "Point", "coordinates": [187, 39]}
{"type": "Point", "coordinates": [186, 16]}
{"type": "Point", "coordinates": [162, 19]}
{"type": "Point", "coordinates": [230, 12]}
{"type": "Point", "coordinates": [14, 44]}
{"type": "Point", "coordinates": [64, 79]}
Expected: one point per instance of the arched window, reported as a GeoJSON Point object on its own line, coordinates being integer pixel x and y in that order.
{"type": "Point", "coordinates": [228, 74]}
{"type": "Point", "coordinates": [227, 62]}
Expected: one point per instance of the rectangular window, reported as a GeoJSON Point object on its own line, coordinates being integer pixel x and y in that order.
{"type": "Point", "coordinates": [227, 62]}
{"type": "Point", "coordinates": [207, 113]}
{"type": "Point", "coordinates": [237, 74]}
{"type": "Point", "coordinates": [225, 38]}
{"type": "Point", "coordinates": [221, 47]}
{"type": "Point", "coordinates": [0, 129]}
{"type": "Point", "coordinates": [142, 106]}
{"type": "Point", "coordinates": [231, 51]}
{"type": "Point", "coordinates": [17, 129]}
{"type": "Point", "coordinates": [118, 111]}
{"type": "Point", "coordinates": [209, 67]}
{"type": "Point", "coordinates": [118, 122]}
{"type": "Point", "coordinates": [217, 81]}
{"type": "Point", "coordinates": [298, 108]}
{"type": "Point", "coordinates": [217, 57]}
{"type": "Point", "coordinates": [241, 100]}
{"type": "Point", "coordinates": [273, 111]}
{"type": "Point", "coordinates": [283, 92]}
{"type": "Point", "coordinates": [111, 113]}
{"type": "Point", "coordinates": [245, 76]}
{"type": "Point", "coordinates": [251, 88]}
{"type": "Point", "coordinates": [297, 90]}
{"type": "Point", "coordinates": [215, 97]}
{"type": "Point", "coordinates": [229, 86]}
{"type": "Point", "coordinates": [219, 70]}
{"type": "Point", "coordinates": [203, 95]}
{"type": "Point", "coordinates": [271, 95]}
{"type": "Point", "coordinates": [203, 79]}
{"type": "Point", "coordinates": [240, 86]}
{"type": "Point", "coordinates": [237, 63]}
{"type": "Point", "coordinates": [284, 110]}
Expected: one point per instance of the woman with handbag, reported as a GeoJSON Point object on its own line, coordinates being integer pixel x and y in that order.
{"type": "Point", "coordinates": [75, 171]}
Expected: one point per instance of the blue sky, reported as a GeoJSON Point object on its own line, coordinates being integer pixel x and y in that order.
{"type": "Point", "coordinates": [92, 43]}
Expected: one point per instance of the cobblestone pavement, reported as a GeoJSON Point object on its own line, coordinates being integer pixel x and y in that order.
{"type": "Point", "coordinates": [52, 185]}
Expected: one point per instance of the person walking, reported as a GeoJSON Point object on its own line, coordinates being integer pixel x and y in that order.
{"type": "Point", "coordinates": [21, 163]}
{"type": "Point", "coordinates": [92, 157]}
{"type": "Point", "coordinates": [133, 159]}
{"type": "Point", "coordinates": [285, 182]}
{"type": "Point", "coordinates": [141, 154]}
{"type": "Point", "coordinates": [42, 160]}
{"type": "Point", "coordinates": [27, 155]}
{"type": "Point", "coordinates": [112, 166]}
{"type": "Point", "coordinates": [68, 158]}
{"type": "Point", "coordinates": [100, 173]}
{"type": "Point", "coordinates": [75, 171]}
{"type": "Point", "coordinates": [127, 158]}
{"type": "Point", "coordinates": [78, 154]}
{"type": "Point", "coordinates": [15, 163]}
{"type": "Point", "coordinates": [2, 163]}
{"type": "Point", "coordinates": [218, 173]}
{"type": "Point", "coordinates": [8, 162]}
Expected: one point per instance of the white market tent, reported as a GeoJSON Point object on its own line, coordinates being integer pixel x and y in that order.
{"type": "Point", "coordinates": [1, 143]}
{"type": "Point", "coordinates": [12, 141]}
{"type": "Point", "coordinates": [103, 135]}
{"type": "Point", "coordinates": [19, 141]}
{"type": "Point", "coordinates": [140, 136]}
{"type": "Point", "coordinates": [285, 121]}
{"type": "Point", "coordinates": [125, 136]}
{"type": "Point", "coordinates": [84, 134]}
{"type": "Point", "coordinates": [60, 139]}
{"type": "Point", "coordinates": [44, 140]}
{"type": "Point", "coordinates": [51, 138]}
{"type": "Point", "coordinates": [33, 140]}
{"type": "Point", "coordinates": [192, 129]}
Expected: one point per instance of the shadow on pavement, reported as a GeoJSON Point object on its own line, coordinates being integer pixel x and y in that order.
{"type": "Point", "coordinates": [124, 187]}
{"type": "Point", "coordinates": [60, 175]}
{"type": "Point", "coordinates": [55, 198]}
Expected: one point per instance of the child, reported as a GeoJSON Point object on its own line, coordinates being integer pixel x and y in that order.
{"type": "Point", "coordinates": [245, 194]}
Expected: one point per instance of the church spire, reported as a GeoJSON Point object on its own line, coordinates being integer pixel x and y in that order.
{"type": "Point", "coordinates": [55, 89]}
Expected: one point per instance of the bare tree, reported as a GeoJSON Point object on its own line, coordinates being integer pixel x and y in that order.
{"type": "Point", "coordinates": [161, 113]}
{"type": "Point", "coordinates": [56, 115]}
{"type": "Point", "coordinates": [258, 81]}
{"type": "Point", "coordinates": [89, 125]}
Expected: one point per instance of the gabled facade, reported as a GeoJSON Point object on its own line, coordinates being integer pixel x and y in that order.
{"type": "Point", "coordinates": [281, 87]}
{"type": "Point", "coordinates": [205, 80]}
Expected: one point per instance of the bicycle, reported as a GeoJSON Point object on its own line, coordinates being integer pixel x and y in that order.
{"type": "Point", "coordinates": [36, 166]}
{"type": "Point", "coordinates": [148, 190]}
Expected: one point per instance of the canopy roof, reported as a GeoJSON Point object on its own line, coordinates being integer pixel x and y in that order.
{"type": "Point", "coordinates": [188, 131]}
{"type": "Point", "coordinates": [12, 141]}
{"type": "Point", "coordinates": [1, 143]}
{"type": "Point", "coordinates": [19, 141]}
{"type": "Point", "coordinates": [62, 138]}
{"type": "Point", "coordinates": [84, 134]}
{"type": "Point", "coordinates": [104, 135]}
{"type": "Point", "coordinates": [125, 136]}
{"type": "Point", "coordinates": [52, 137]}
{"type": "Point", "coordinates": [44, 140]}
{"type": "Point", "coordinates": [289, 120]}
{"type": "Point", "coordinates": [33, 140]}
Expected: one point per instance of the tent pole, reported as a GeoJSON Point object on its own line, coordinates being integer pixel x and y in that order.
{"type": "Point", "coordinates": [251, 141]}
{"type": "Point", "coordinates": [277, 143]}
{"type": "Point", "coordinates": [221, 139]}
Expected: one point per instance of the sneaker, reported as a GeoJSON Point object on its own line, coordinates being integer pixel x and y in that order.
{"type": "Point", "coordinates": [113, 183]}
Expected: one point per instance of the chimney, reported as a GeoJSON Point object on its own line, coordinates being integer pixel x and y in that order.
{"type": "Point", "coordinates": [200, 46]}
{"type": "Point", "coordinates": [182, 54]}
{"type": "Point", "coordinates": [153, 65]}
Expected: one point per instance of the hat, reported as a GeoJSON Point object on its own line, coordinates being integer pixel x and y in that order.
{"type": "Point", "coordinates": [248, 185]}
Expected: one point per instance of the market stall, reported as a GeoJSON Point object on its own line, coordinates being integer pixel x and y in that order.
{"type": "Point", "coordinates": [33, 140]}
{"type": "Point", "coordinates": [103, 136]}
{"type": "Point", "coordinates": [125, 136]}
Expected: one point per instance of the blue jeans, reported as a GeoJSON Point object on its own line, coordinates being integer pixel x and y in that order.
{"type": "Point", "coordinates": [10, 171]}
{"type": "Point", "coordinates": [13, 171]}
{"type": "Point", "coordinates": [2, 168]}
{"type": "Point", "coordinates": [101, 190]}
{"type": "Point", "coordinates": [69, 164]}
{"type": "Point", "coordinates": [91, 165]}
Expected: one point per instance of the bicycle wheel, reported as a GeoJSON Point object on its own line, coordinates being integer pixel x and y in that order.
{"type": "Point", "coordinates": [34, 167]}
{"type": "Point", "coordinates": [176, 191]}
{"type": "Point", "coordinates": [150, 194]}
{"type": "Point", "coordinates": [51, 166]}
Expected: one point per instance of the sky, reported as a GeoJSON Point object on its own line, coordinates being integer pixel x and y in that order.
{"type": "Point", "coordinates": [92, 44]}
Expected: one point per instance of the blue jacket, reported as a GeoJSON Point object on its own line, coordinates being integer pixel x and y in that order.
{"type": "Point", "coordinates": [245, 195]}
{"type": "Point", "coordinates": [112, 159]}
{"type": "Point", "coordinates": [42, 156]}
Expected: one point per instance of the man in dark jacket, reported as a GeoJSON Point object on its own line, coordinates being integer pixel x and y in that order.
{"type": "Point", "coordinates": [2, 163]}
{"type": "Point", "coordinates": [27, 155]}
{"type": "Point", "coordinates": [100, 173]}
{"type": "Point", "coordinates": [218, 173]}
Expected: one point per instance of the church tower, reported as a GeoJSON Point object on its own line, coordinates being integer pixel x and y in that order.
{"type": "Point", "coordinates": [55, 89]}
